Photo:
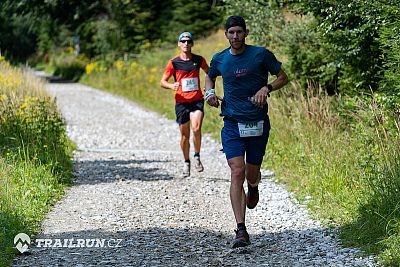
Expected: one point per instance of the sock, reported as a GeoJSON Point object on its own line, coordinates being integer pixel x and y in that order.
{"type": "Point", "coordinates": [252, 189]}
{"type": "Point", "coordinates": [187, 161]}
{"type": "Point", "coordinates": [241, 226]}
{"type": "Point", "coordinates": [197, 154]}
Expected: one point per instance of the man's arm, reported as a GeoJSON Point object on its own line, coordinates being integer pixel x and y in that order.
{"type": "Point", "coordinates": [204, 66]}
{"type": "Point", "coordinates": [210, 83]}
{"type": "Point", "coordinates": [167, 85]}
{"type": "Point", "coordinates": [260, 98]}
{"type": "Point", "coordinates": [210, 96]}
{"type": "Point", "coordinates": [281, 80]}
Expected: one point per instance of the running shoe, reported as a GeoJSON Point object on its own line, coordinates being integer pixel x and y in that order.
{"type": "Point", "coordinates": [242, 239]}
{"type": "Point", "coordinates": [197, 164]}
{"type": "Point", "coordinates": [186, 169]}
{"type": "Point", "coordinates": [252, 198]}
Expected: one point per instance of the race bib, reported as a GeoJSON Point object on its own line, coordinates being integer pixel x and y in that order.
{"type": "Point", "coordinates": [190, 84]}
{"type": "Point", "coordinates": [251, 129]}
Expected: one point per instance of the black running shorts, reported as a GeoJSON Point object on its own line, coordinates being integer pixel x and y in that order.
{"type": "Point", "coordinates": [182, 110]}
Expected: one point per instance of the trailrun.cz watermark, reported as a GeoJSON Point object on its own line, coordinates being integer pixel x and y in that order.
{"type": "Point", "coordinates": [22, 242]}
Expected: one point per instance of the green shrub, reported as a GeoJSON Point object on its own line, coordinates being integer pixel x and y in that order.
{"type": "Point", "coordinates": [68, 66]}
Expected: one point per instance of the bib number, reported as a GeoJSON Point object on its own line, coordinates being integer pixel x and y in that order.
{"type": "Point", "coordinates": [251, 128]}
{"type": "Point", "coordinates": [190, 84]}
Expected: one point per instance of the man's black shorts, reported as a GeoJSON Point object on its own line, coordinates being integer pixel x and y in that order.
{"type": "Point", "coordinates": [182, 110]}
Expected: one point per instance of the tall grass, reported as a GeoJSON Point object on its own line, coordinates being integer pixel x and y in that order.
{"type": "Point", "coordinates": [35, 156]}
{"type": "Point", "coordinates": [310, 151]}
{"type": "Point", "coordinates": [379, 220]}
{"type": "Point", "coordinates": [339, 155]}
{"type": "Point", "coordinates": [346, 170]}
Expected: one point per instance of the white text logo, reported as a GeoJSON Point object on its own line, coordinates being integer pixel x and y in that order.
{"type": "Point", "coordinates": [22, 242]}
{"type": "Point", "coordinates": [78, 243]}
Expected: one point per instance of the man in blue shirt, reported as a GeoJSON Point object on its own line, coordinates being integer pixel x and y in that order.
{"type": "Point", "coordinates": [244, 70]}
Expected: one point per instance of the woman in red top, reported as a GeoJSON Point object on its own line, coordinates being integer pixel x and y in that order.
{"type": "Point", "coordinates": [189, 103]}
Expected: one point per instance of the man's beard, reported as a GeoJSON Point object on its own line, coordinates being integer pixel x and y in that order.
{"type": "Point", "coordinates": [237, 45]}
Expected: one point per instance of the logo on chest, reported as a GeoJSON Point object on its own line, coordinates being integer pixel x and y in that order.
{"type": "Point", "coordinates": [241, 72]}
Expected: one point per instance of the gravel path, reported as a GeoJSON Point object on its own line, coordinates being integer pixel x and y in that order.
{"type": "Point", "coordinates": [128, 194]}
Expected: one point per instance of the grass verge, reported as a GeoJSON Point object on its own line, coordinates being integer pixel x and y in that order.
{"type": "Point", "coordinates": [35, 156]}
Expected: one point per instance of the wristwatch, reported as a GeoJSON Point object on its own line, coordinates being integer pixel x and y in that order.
{"type": "Point", "coordinates": [269, 86]}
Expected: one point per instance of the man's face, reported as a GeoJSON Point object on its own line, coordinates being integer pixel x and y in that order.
{"type": "Point", "coordinates": [185, 44]}
{"type": "Point", "coordinates": [236, 36]}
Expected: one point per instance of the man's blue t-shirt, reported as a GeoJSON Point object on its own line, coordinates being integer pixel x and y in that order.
{"type": "Point", "coordinates": [243, 75]}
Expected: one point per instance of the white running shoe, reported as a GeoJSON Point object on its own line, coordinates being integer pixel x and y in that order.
{"type": "Point", "coordinates": [197, 164]}
{"type": "Point", "coordinates": [186, 169]}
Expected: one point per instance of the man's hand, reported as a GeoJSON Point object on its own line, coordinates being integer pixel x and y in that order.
{"type": "Point", "coordinates": [175, 86]}
{"type": "Point", "coordinates": [260, 98]}
{"type": "Point", "coordinates": [214, 101]}
{"type": "Point", "coordinates": [211, 98]}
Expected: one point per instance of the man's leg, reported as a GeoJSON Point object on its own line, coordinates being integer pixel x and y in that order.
{"type": "Point", "coordinates": [234, 148]}
{"type": "Point", "coordinates": [253, 174]}
{"type": "Point", "coordinates": [255, 151]}
{"type": "Point", "coordinates": [185, 146]}
{"type": "Point", "coordinates": [185, 136]}
{"type": "Point", "coordinates": [238, 200]}
{"type": "Point", "coordinates": [253, 177]}
{"type": "Point", "coordinates": [237, 195]}
{"type": "Point", "coordinates": [196, 117]}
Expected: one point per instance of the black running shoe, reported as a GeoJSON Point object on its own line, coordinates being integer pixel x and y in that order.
{"type": "Point", "coordinates": [242, 239]}
{"type": "Point", "coordinates": [252, 198]}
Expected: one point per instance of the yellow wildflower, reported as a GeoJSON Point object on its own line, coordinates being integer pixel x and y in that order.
{"type": "Point", "coordinates": [151, 78]}
{"type": "Point", "coordinates": [90, 67]}
{"type": "Point", "coordinates": [146, 44]}
{"type": "Point", "coordinates": [119, 65]}
{"type": "Point", "coordinates": [133, 65]}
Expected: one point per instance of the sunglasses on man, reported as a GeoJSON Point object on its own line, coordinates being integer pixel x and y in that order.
{"type": "Point", "coordinates": [188, 41]}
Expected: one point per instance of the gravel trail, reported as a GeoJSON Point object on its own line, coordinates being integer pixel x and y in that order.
{"type": "Point", "coordinates": [129, 199]}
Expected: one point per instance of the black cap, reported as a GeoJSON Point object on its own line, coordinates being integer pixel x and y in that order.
{"type": "Point", "coordinates": [233, 21]}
